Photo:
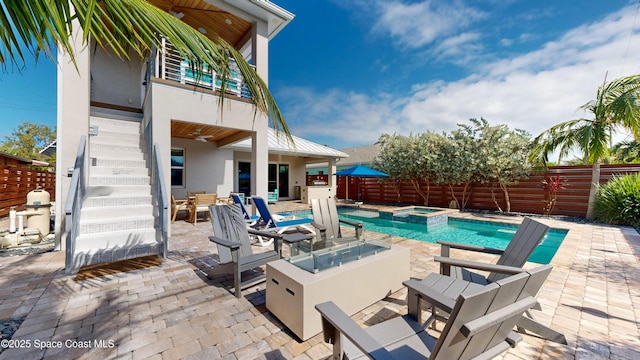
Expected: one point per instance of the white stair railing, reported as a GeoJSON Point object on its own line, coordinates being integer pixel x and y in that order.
{"type": "Point", "coordinates": [159, 189]}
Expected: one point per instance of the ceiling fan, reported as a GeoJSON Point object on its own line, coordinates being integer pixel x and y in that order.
{"type": "Point", "coordinates": [203, 138]}
{"type": "Point", "coordinates": [199, 137]}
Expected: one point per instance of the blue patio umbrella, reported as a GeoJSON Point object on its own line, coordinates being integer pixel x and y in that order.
{"type": "Point", "coordinates": [359, 171]}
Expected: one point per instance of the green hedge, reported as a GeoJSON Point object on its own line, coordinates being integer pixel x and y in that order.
{"type": "Point", "coordinates": [618, 201]}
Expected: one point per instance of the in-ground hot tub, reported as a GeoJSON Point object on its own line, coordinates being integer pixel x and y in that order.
{"type": "Point", "coordinates": [418, 214]}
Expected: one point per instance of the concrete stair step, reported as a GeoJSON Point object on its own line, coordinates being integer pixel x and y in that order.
{"type": "Point", "coordinates": [116, 148]}
{"type": "Point", "coordinates": [117, 200]}
{"type": "Point", "coordinates": [106, 171]}
{"type": "Point", "coordinates": [122, 190]}
{"type": "Point", "coordinates": [119, 163]}
{"type": "Point", "coordinates": [117, 180]}
{"type": "Point", "coordinates": [137, 156]}
{"type": "Point", "coordinates": [110, 212]}
{"type": "Point", "coordinates": [117, 139]}
{"type": "Point", "coordinates": [102, 243]}
{"type": "Point", "coordinates": [115, 114]}
{"type": "Point", "coordinates": [106, 225]}
{"type": "Point", "coordinates": [118, 123]}
{"type": "Point", "coordinates": [110, 130]}
{"type": "Point", "coordinates": [106, 133]}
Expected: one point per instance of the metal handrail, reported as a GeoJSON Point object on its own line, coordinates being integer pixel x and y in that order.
{"type": "Point", "coordinates": [162, 198]}
{"type": "Point", "coordinates": [77, 191]}
{"type": "Point", "coordinates": [167, 63]}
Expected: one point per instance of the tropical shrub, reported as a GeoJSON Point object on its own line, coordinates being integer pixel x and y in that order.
{"type": "Point", "coordinates": [618, 201]}
{"type": "Point", "coordinates": [551, 186]}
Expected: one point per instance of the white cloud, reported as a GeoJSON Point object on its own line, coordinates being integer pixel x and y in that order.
{"type": "Point", "coordinates": [532, 91]}
{"type": "Point", "coordinates": [417, 24]}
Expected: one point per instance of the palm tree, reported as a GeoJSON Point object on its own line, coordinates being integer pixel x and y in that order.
{"type": "Point", "coordinates": [32, 27]}
{"type": "Point", "coordinates": [626, 152]}
{"type": "Point", "coordinates": [616, 106]}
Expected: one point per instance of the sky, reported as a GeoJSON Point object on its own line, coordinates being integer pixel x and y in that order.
{"type": "Point", "coordinates": [345, 72]}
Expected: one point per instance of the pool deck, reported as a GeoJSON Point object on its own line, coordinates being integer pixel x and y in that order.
{"type": "Point", "coordinates": [169, 310]}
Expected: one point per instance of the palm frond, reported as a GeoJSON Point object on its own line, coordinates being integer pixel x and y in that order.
{"type": "Point", "coordinates": [32, 26]}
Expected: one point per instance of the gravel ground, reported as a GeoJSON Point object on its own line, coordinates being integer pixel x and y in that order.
{"type": "Point", "coordinates": [7, 328]}
{"type": "Point", "coordinates": [29, 249]}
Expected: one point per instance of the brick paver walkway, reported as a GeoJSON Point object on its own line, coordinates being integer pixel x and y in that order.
{"type": "Point", "coordinates": [170, 310]}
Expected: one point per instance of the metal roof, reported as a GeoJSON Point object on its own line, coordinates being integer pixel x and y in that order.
{"type": "Point", "coordinates": [279, 144]}
{"type": "Point", "coordinates": [360, 155]}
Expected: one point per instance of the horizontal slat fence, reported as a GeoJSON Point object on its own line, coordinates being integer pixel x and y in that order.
{"type": "Point", "coordinates": [527, 196]}
{"type": "Point", "coordinates": [17, 182]}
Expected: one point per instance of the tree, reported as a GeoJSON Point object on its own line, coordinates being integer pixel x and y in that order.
{"type": "Point", "coordinates": [505, 154]}
{"type": "Point", "coordinates": [626, 152]}
{"type": "Point", "coordinates": [27, 140]}
{"type": "Point", "coordinates": [460, 160]}
{"type": "Point", "coordinates": [411, 158]}
{"type": "Point", "coordinates": [616, 106]}
{"type": "Point", "coordinates": [31, 27]}
{"type": "Point", "coordinates": [393, 159]}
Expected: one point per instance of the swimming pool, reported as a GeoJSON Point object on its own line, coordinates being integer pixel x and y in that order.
{"type": "Point", "coordinates": [474, 232]}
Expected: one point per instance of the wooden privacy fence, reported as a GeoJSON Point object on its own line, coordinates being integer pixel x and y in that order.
{"type": "Point", "coordinates": [18, 181]}
{"type": "Point", "coordinates": [527, 196]}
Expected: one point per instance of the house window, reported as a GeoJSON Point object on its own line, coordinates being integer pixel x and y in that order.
{"type": "Point", "coordinates": [177, 168]}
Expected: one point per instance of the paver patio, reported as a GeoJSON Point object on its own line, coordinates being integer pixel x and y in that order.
{"type": "Point", "coordinates": [168, 309]}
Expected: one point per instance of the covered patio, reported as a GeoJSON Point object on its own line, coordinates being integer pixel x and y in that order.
{"type": "Point", "coordinates": [168, 309]}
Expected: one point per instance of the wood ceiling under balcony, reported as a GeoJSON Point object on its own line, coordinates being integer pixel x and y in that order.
{"type": "Point", "coordinates": [217, 22]}
{"type": "Point", "coordinates": [220, 135]}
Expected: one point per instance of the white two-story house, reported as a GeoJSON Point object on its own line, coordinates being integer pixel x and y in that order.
{"type": "Point", "coordinates": [133, 132]}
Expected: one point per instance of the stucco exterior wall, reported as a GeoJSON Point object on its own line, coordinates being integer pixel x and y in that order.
{"type": "Point", "coordinates": [207, 168]}
{"type": "Point", "coordinates": [116, 81]}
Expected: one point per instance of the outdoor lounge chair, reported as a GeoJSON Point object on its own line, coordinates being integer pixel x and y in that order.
{"type": "Point", "coordinates": [201, 203]}
{"type": "Point", "coordinates": [325, 212]}
{"type": "Point", "coordinates": [249, 219]}
{"type": "Point", "coordinates": [269, 222]}
{"type": "Point", "coordinates": [231, 235]}
{"type": "Point", "coordinates": [512, 259]}
{"type": "Point", "coordinates": [529, 235]}
{"type": "Point", "coordinates": [479, 325]}
{"type": "Point", "coordinates": [178, 205]}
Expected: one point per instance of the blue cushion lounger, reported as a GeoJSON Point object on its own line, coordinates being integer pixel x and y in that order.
{"type": "Point", "coordinates": [249, 219]}
{"type": "Point", "coordinates": [270, 222]}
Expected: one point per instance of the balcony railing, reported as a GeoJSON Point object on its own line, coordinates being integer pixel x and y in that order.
{"type": "Point", "coordinates": [168, 64]}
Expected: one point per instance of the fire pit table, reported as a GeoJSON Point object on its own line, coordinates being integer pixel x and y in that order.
{"type": "Point", "coordinates": [353, 274]}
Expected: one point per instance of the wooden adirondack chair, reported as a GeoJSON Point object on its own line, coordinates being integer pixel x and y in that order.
{"type": "Point", "coordinates": [512, 259]}
{"type": "Point", "coordinates": [231, 235]}
{"type": "Point", "coordinates": [325, 212]}
{"type": "Point", "coordinates": [529, 235]}
{"type": "Point", "coordinates": [479, 326]}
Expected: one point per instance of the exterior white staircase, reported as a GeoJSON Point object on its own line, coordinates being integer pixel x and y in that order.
{"type": "Point", "coordinates": [117, 214]}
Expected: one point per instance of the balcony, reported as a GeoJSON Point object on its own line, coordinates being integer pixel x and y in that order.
{"type": "Point", "coordinates": [169, 65]}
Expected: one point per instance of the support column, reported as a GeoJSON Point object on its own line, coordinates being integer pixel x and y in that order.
{"type": "Point", "coordinates": [74, 96]}
{"type": "Point", "coordinates": [331, 179]}
{"type": "Point", "coordinates": [260, 50]}
{"type": "Point", "coordinates": [260, 161]}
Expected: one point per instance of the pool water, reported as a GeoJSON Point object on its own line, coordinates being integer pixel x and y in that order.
{"type": "Point", "coordinates": [474, 232]}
